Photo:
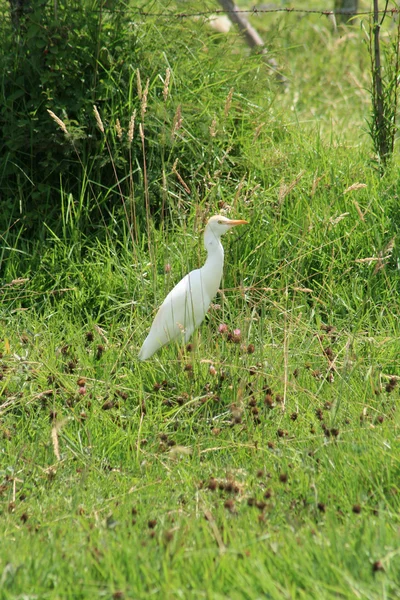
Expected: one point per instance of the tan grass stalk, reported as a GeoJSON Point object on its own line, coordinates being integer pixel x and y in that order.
{"type": "Point", "coordinates": [144, 99]}
{"type": "Point", "coordinates": [60, 123]}
{"type": "Point", "coordinates": [336, 220]}
{"type": "Point", "coordinates": [177, 122]}
{"type": "Point", "coordinates": [358, 209]}
{"type": "Point", "coordinates": [138, 84]}
{"type": "Point", "coordinates": [384, 255]}
{"type": "Point", "coordinates": [131, 128]}
{"type": "Point", "coordinates": [315, 183]}
{"type": "Point", "coordinates": [228, 102]}
{"type": "Point", "coordinates": [181, 181]}
{"type": "Point", "coordinates": [215, 531]}
{"type": "Point", "coordinates": [118, 129]}
{"type": "Point", "coordinates": [258, 131]}
{"type": "Point", "coordinates": [285, 189]}
{"type": "Point", "coordinates": [98, 119]}
{"type": "Point", "coordinates": [166, 84]}
{"type": "Point", "coordinates": [213, 127]}
{"type": "Point", "coordinates": [54, 439]}
{"type": "Point", "coordinates": [355, 186]}
{"type": "Point", "coordinates": [57, 426]}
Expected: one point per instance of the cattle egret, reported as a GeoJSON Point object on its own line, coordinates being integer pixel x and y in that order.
{"type": "Point", "coordinates": [187, 304]}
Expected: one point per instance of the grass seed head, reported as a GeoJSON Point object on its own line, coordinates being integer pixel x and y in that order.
{"type": "Point", "coordinates": [177, 122]}
{"type": "Point", "coordinates": [138, 84]}
{"type": "Point", "coordinates": [213, 127]}
{"type": "Point", "coordinates": [98, 119]}
{"type": "Point", "coordinates": [59, 122]}
{"type": "Point", "coordinates": [131, 128]}
{"type": "Point", "coordinates": [166, 83]}
{"type": "Point", "coordinates": [212, 484]}
{"type": "Point", "coordinates": [118, 129]}
{"type": "Point", "coordinates": [143, 106]}
{"type": "Point", "coordinates": [377, 566]}
{"type": "Point", "coordinates": [230, 505]}
{"type": "Point", "coordinates": [100, 351]}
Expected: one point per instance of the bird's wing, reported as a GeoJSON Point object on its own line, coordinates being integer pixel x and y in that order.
{"type": "Point", "coordinates": [180, 313]}
{"type": "Point", "coordinates": [184, 307]}
{"type": "Point", "coordinates": [169, 321]}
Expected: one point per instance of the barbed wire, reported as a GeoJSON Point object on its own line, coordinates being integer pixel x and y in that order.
{"type": "Point", "coordinates": [255, 11]}
{"type": "Point", "coordinates": [221, 11]}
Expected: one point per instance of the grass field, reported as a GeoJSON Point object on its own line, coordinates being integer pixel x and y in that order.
{"type": "Point", "coordinates": [260, 464]}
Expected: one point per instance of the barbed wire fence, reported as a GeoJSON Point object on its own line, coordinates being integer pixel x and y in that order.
{"type": "Point", "coordinates": [252, 11]}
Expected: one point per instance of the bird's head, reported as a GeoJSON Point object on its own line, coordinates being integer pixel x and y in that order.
{"type": "Point", "coordinates": [218, 225]}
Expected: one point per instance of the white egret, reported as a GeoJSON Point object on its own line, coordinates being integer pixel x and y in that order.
{"type": "Point", "coordinates": [187, 303]}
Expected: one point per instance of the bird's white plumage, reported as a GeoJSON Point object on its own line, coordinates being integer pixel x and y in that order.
{"type": "Point", "coordinates": [187, 303]}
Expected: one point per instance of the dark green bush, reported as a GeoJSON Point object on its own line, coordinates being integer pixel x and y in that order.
{"type": "Point", "coordinates": [65, 56]}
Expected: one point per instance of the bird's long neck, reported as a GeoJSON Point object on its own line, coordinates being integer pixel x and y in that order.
{"type": "Point", "coordinates": [213, 267]}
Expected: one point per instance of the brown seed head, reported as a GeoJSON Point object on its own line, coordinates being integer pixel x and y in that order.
{"type": "Point", "coordinates": [269, 401]}
{"type": "Point", "coordinates": [100, 351]}
{"type": "Point", "coordinates": [230, 505]}
{"type": "Point", "coordinates": [377, 566]}
{"type": "Point", "coordinates": [212, 484]}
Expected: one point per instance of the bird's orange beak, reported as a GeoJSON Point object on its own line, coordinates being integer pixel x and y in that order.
{"type": "Point", "coordinates": [234, 222]}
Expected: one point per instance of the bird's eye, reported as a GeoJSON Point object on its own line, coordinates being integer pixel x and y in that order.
{"type": "Point", "coordinates": [220, 222]}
